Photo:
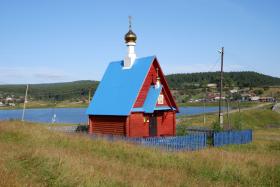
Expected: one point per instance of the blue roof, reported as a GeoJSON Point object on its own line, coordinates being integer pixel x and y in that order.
{"type": "Point", "coordinates": [151, 99]}
{"type": "Point", "coordinates": [119, 88]}
{"type": "Point", "coordinates": [141, 109]}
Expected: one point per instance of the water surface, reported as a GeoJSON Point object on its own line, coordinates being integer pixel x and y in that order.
{"type": "Point", "coordinates": [77, 115]}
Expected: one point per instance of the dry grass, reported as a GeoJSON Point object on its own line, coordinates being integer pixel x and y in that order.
{"type": "Point", "coordinates": [33, 156]}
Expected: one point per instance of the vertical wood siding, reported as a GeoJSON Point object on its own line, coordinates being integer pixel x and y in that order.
{"type": "Point", "coordinates": [151, 79]}
{"type": "Point", "coordinates": [165, 86]}
{"type": "Point", "coordinates": [166, 124]}
{"type": "Point", "coordinates": [138, 128]}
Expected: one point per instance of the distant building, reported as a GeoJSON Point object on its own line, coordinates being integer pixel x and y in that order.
{"type": "Point", "coordinates": [245, 97]}
{"type": "Point", "coordinates": [212, 85]}
{"type": "Point", "coordinates": [233, 91]}
{"type": "Point", "coordinates": [254, 98]}
{"type": "Point", "coordinates": [267, 99]}
{"type": "Point", "coordinates": [218, 98]}
{"type": "Point", "coordinates": [9, 99]}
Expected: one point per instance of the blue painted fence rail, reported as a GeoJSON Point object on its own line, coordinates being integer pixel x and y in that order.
{"type": "Point", "coordinates": [232, 137]}
{"type": "Point", "coordinates": [174, 143]}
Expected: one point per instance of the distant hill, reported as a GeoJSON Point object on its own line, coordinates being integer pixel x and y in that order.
{"type": "Point", "coordinates": [57, 91]}
{"type": "Point", "coordinates": [240, 79]}
{"type": "Point", "coordinates": [79, 89]}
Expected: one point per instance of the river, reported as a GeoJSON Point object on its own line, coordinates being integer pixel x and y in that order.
{"type": "Point", "coordinates": [76, 115]}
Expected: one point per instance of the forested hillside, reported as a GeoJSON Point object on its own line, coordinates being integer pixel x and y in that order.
{"type": "Point", "coordinates": [240, 79]}
{"type": "Point", "coordinates": [57, 91]}
{"type": "Point", "coordinates": [78, 89]}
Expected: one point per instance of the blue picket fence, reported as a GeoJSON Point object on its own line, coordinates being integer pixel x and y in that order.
{"type": "Point", "coordinates": [174, 143]}
{"type": "Point", "coordinates": [190, 142]}
{"type": "Point", "coordinates": [232, 137]}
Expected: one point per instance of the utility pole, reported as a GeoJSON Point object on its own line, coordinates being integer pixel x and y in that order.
{"type": "Point", "coordinates": [221, 121]}
{"type": "Point", "coordinates": [25, 101]}
{"type": "Point", "coordinates": [228, 119]}
{"type": "Point", "coordinates": [204, 103]}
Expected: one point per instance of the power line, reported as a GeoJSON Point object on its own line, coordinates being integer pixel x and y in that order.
{"type": "Point", "coordinates": [215, 64]}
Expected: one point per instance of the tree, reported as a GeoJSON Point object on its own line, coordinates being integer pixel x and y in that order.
{"type": "Point", "coordinates": [258, 91]}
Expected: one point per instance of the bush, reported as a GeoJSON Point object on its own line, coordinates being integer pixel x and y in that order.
{"type": "Point", "coordinates": [181, 130]}
{"type": "Point", "coordinates": [216, 126]}
{"type": "Point", "coordinates": [259, 91]}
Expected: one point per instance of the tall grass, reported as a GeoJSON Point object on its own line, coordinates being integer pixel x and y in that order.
{"type": "Point", "coordinates": [33, 156]}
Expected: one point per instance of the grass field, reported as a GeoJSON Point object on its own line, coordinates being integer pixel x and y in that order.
{"type": "Point", "coordinates": [254, 118]}
{"type": "Point", "coordinates": [31, 155]}
{"type": "Point", "coordinates": [233, 105]}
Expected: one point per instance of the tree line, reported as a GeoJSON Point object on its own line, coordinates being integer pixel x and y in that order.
{"type": "Point", "coordinates": [79, 89]}
{"type": "Point", "coordinates": [231, 79]}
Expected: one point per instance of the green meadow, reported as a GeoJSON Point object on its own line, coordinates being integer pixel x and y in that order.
{"type": "Point", "coordinates": [31, 155]}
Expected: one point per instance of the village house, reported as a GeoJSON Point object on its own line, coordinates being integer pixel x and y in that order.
{"type": "Point", "coordinates": [267, 99]}
{"type": "Point", "coordinates": [133, 98]}
{"type": "Point", "coordinates": [212, 85]}
{"type": "Point", "coordinates": [254, 98]}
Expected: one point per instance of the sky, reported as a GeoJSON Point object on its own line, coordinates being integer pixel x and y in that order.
{"type": "Point", "coordinates": [43, 41]}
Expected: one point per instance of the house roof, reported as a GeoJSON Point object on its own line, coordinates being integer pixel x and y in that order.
{"type": "Point", "coordinates": [151, 99]}
{"type": "Point", "coordinates": [119, 88]}
{"type": "Point", "coordinates": [141, 109]}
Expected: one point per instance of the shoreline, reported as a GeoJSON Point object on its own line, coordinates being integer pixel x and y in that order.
{"type": "Point", "coordinates": [38, 105]}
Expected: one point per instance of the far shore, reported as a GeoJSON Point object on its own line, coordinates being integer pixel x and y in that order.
{"type": "Point", "coordinates": [80, 104]}
{"type": "Point", "coordinates": [44, 104]}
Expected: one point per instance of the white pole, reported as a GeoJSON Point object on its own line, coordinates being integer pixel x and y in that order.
{"type": "Point", "coordinates": [25, 101]}
{"type": "Point", "coordinates": [204, 119]}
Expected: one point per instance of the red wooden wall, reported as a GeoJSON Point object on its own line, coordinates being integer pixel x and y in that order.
{"type": "Point", "coordinates": [140, 128]}
{"type": "Point", "coordinates": [107, 125]}
{"type": "Point", "coordinates": [133, 125]}
{"type": "Point", "coordinates": [137, 126]}
{"type": "Point", "coordinates": [151, 79]}
{"type": "Point", "coordinates": [166, 123]}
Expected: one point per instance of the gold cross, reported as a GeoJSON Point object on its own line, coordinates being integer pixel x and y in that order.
{"type": "Point", "coordinates": [129, 20]}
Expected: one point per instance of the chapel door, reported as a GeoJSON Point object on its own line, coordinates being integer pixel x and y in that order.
{"type": "Point", "coordinates": [153, 125]}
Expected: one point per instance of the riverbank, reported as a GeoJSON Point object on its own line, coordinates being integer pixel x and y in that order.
{"type": "Point", "coordinates": [71, 104]}
{"type": "Point", "coordinates": [31, 155]}
{"type": "Point", "coordinates": [45, 104]}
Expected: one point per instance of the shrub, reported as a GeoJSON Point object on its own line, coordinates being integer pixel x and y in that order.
{"type": "Point", "coordinates": [216, 126]}
{"type": "Point", "coordinates": [181, 130]}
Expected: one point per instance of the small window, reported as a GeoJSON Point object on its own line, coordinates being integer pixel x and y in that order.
{"type": "Point", "coordinates": [160, 99]}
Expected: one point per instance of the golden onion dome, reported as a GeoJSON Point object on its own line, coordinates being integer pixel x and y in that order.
{"type": "Point", "coordinates": [130, 37]}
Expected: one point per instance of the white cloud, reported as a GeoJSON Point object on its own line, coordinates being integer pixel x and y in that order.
{"type": "Point", "coordinates": [12, 75]}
